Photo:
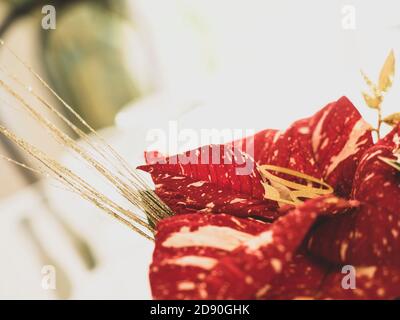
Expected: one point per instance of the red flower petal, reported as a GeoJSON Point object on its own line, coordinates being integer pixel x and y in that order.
{"type": "Point", "coordinates": [238, 257]}
{"type": "Point", "coordinates": [392, 140]}
{"type": "Point", "coordinates": [301, 279]}
{"type": "Point", "coordinates": [370, 234]}
{"type": "Point", "coordinates": [372, 283]}
{"type": "Point", "coordinates": [308, 278]}
{"type": "Point", "coordinates": [327, 145]}
{"type": "Point", "coordinates": [211, 187]}
{"type": "Point", "coordinates": [189, 246]}
{"type": "Point", "coordinates": [184, 195]}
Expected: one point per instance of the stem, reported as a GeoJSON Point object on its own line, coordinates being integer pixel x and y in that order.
{"type": "Point", "coordinates": [378, 128]}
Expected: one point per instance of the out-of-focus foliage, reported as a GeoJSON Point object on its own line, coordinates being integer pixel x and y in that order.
{"type": "Point", "coordinates": [84, 58]}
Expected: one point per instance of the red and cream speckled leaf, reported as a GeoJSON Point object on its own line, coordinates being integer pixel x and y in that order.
{"type": "Point", "coordinates": [184, 195]}
{"type": "Point", "coordinates": [371, 283]}
{"type": "Point", "coordinates": [301, 279]}
{"type": "Point", "coordinates": [392, 139]}
{"type": "Point", "coordinates": [310, 278]}
{"type": "Point", "coordinates": [242, 256]}
{"type": "Point", "coordinates": [327, 145]}
{"type": "Point", "coordinates": [370, 235]}
{"type": "Point", "coordinates": [189, 246]}
{"type": "Point", "coordinates": [211, 187]}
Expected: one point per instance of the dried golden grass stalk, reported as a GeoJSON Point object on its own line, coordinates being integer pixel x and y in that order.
{"type": "Point", "coordinates": [99, 156]}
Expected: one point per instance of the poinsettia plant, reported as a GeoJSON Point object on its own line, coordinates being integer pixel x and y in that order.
{"type": "Point", "coordinates": [321, 198]}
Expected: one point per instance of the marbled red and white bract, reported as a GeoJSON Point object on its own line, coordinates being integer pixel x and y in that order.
{"type": "Point", "coordinates": [224, 257]}
{"type": "Point", "coordinates": [217, 247]}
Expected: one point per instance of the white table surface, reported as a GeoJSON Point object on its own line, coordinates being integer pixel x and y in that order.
{"type": "Point", "coordinates": [123, 256]}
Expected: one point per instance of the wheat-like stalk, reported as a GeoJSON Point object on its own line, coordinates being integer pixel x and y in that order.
{"type": "Point", "coordinates": [94, 151]}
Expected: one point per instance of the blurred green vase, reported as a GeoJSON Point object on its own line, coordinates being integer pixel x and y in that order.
{"type": "Point", "coordinates": [86, 61]}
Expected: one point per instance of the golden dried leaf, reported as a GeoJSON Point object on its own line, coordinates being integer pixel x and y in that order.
{"type": "Point", "coordinates": [288, 192]}
{"type": "Point", "coordinates": [387, 73]}
{"type": "Point", "coordinates": [372, 101]}
{"type": "Point", "coordinates": [392, 119]}
{"type": "Point", "coordinates": [370, 84]}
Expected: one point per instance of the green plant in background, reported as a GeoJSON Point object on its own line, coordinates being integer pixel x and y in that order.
{"type": "Point", "coordinates": [84, 55]}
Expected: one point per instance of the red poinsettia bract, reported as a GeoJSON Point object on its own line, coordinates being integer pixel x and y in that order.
{"type": "Point", "coordinates": [227, 241]}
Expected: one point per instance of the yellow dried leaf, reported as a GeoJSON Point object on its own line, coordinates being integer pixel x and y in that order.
{"type": "Point", "coordinates": [387, 73]}
{"type": "Point", "coordinates": [272, 193]}
{"type": "Point", "coordinates": [372, 101]}
{"type": "Point", "coordinates": [288, 192]}
{"type": "Point", "coordinates": [392, 119]}
{"type": "Point", "coordinates": [370, 84]}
